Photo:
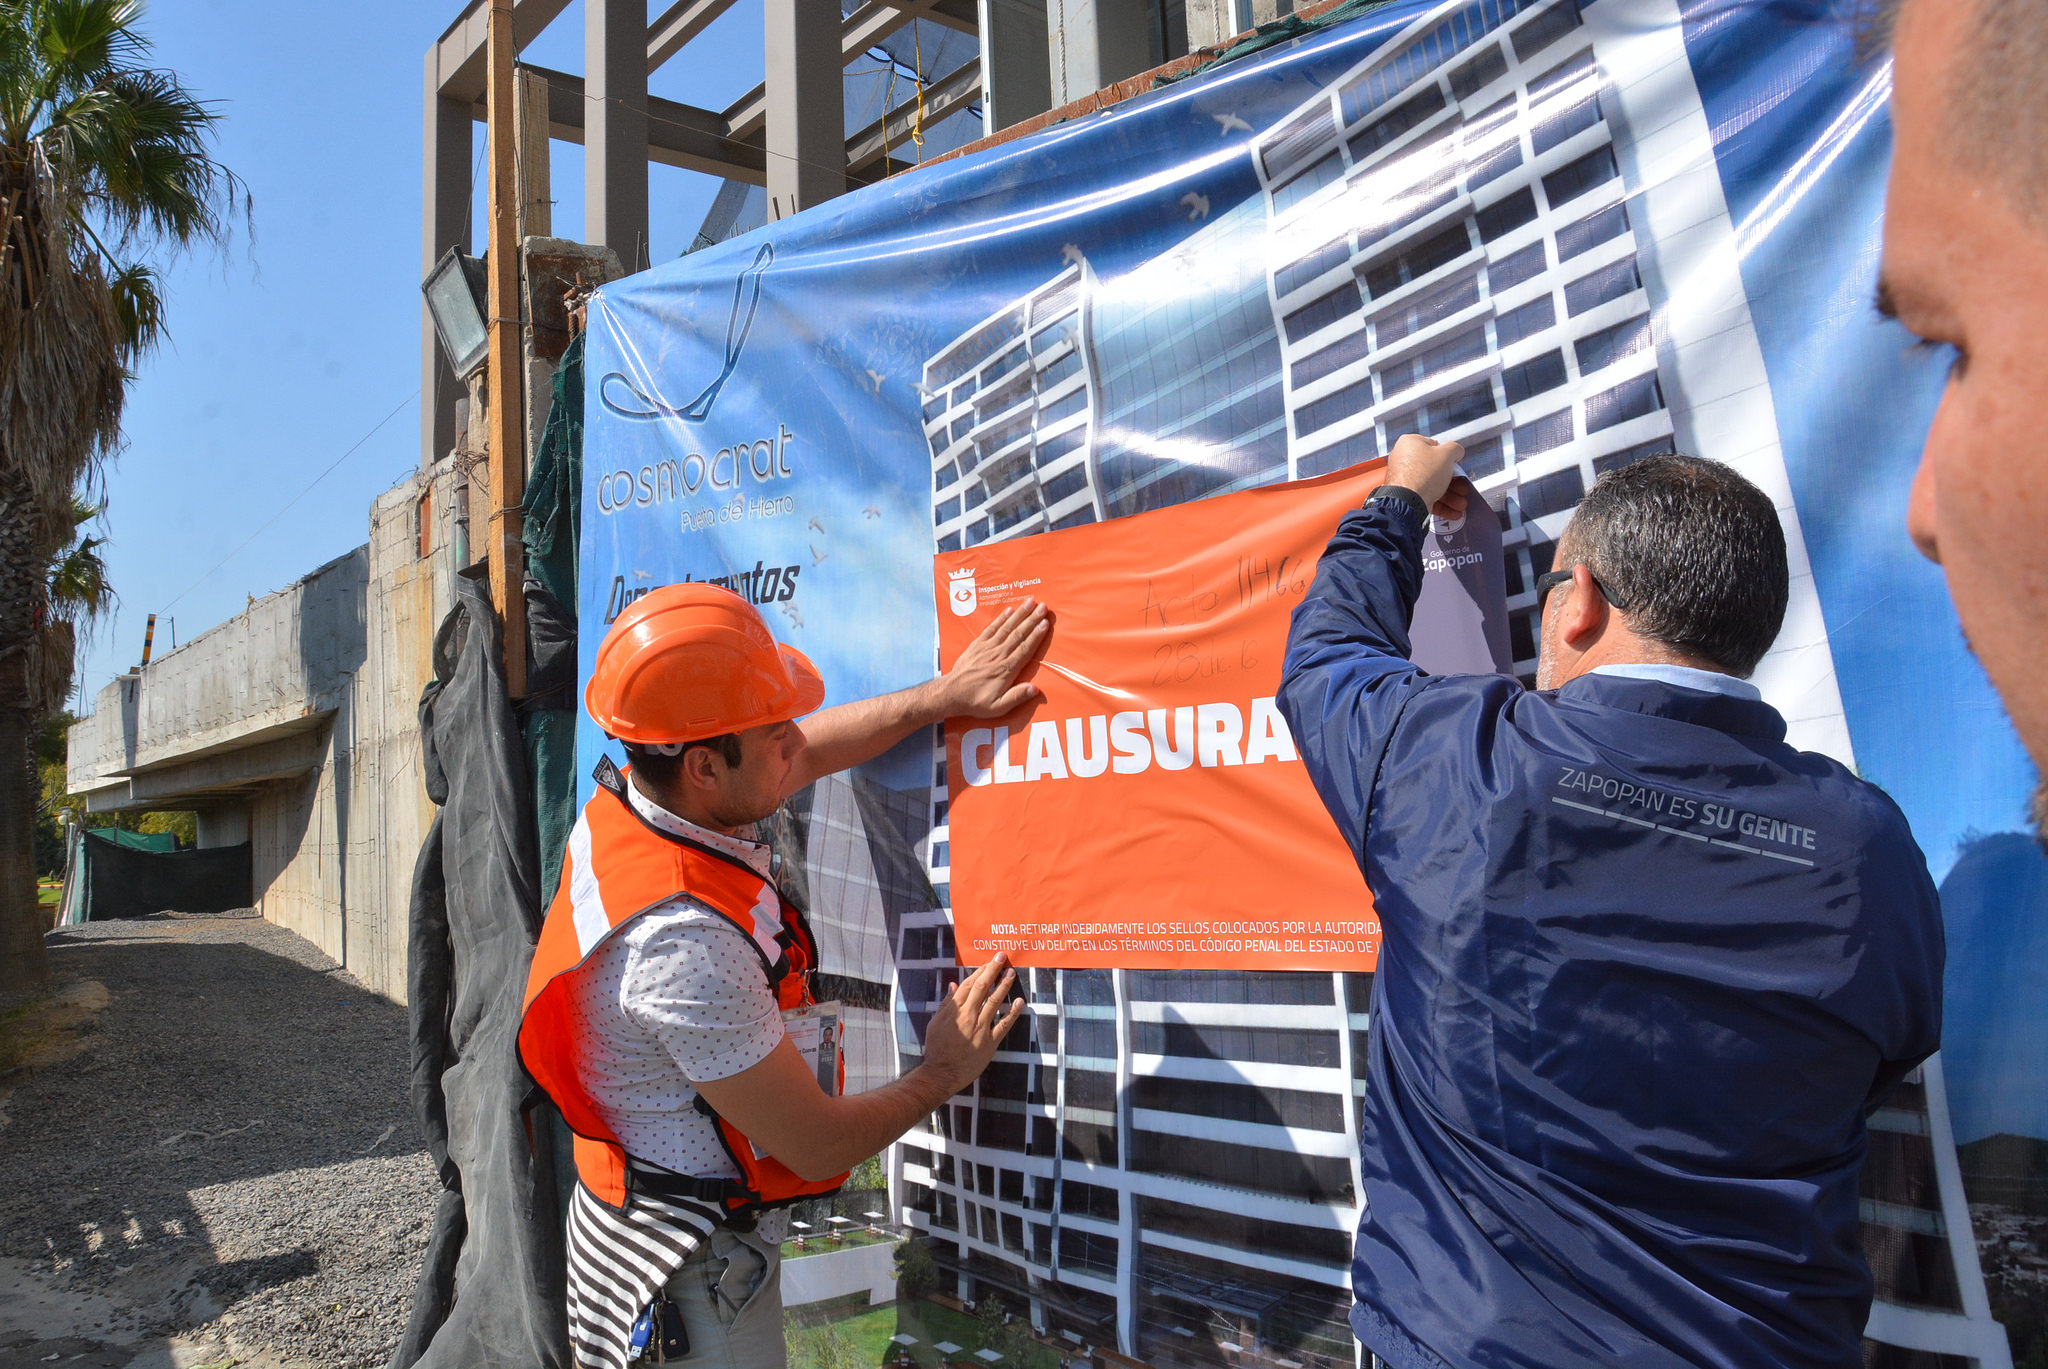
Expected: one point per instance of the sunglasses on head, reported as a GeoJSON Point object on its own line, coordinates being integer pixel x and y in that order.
{"type": "Point", "coordinates": [1551, 579]}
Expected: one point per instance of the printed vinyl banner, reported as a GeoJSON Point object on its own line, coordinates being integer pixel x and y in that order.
{"type": "Point", "coordinates": [1151, 810]}
{"type": "Point", "coordinates": [1564, 232]}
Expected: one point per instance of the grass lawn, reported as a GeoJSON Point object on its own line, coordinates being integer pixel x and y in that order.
{"type": "Point", "coordinates": [48, 892]}
{"type": "Point", "coordinates": [862, 1339]}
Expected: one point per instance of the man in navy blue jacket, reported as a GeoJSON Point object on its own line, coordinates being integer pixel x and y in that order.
{"type": "Point", "coordinates": [1645, 968]}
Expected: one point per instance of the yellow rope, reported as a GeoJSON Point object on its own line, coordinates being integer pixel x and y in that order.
{"type": "Point", "coordinates": [917, 128]}
{"type": "Point", "coordinates": [888, 103]}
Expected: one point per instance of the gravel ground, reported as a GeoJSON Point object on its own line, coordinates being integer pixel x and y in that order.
{"type": "Point", "coordinates": [232, 1153]}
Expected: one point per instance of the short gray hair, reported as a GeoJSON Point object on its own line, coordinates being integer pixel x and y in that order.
{"type": "Point", "coordinates": [1692, 552]}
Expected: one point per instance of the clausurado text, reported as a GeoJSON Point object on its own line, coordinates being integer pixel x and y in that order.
{"type": "Point", "coordinates": [1128, 743]}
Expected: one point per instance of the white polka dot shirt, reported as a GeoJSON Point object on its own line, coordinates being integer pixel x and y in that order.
{"type": "Point", "coordinates": [677, 995]}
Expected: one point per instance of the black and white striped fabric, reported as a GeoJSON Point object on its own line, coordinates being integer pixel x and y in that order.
{"type": "Point", "coordinates": [618, 1261]}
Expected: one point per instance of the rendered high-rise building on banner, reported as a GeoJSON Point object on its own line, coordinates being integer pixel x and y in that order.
{"type": "Point", "coordinates": [1507, 227]}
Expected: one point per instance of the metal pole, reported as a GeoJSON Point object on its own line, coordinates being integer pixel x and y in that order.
{"type": "Point", "coordinates": [507, 431]}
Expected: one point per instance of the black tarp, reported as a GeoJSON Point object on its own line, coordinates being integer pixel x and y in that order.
{"type": "Point", "coordinates": [114, 879]}
{"type": "Point", "coordinates": [497, 1237]}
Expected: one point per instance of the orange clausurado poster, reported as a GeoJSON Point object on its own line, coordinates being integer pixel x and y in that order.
{"type": "Point", "coordinates": [1151, 811]}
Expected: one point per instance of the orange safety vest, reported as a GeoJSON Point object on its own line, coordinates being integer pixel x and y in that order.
{"type": "Point", "coordinates": [619, 866]}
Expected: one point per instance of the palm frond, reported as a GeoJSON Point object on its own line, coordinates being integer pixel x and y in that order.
{"type": "Point", "coordinates": [83, 511]}
{"type": "Point", "coordinates": [80, 591]}
{"type": "Point", "coordinates": [105, 162]}
{"type": "Point", "coordinates": [140, 306]}
{"type": "Point", "coordinates": [143, 142]}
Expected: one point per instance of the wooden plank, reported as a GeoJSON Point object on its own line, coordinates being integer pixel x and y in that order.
{"type": "Point", "coordinates": [536, 194]}
{"type": "Point", "coordinates": [507, 431]}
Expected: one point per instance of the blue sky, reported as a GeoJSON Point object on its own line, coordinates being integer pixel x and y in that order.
{"type": "Point", "coordinates": [287, 350]}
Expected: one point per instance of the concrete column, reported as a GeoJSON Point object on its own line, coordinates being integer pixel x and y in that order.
{"type": "Point", "coordinates": [225, 826]}
{"type": "Point", "coordinates": [615, 128]}
{"type": "Point", "coordinates": [1016, 79]}
{"type": "Point", "coordinates": [1095, 43]}
{"type": "Point", "coordinates": [444, 204]}
{"type": "Point", "coordinates": [805, 86]}
{"type": "Point", "coordinates": [1210, 22]}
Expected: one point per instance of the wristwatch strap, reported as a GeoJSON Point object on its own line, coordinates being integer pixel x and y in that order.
{"type": "Point", "coordinates": [1407, 498]}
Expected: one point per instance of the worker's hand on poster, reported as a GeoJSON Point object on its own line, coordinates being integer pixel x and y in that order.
{"type": "Point", "coordinates": [1426, 466]}
{"type": "Point", "coordinates": [972, 1021]}
{"type": "Point", "coordinates": [984, 682]}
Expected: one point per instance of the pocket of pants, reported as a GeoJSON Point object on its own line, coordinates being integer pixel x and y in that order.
{"type": "Point", "coordinates": [740, 1270]}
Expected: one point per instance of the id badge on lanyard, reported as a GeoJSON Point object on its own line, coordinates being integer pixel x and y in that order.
{"type": "Point", "coordinates": [817, 1032]}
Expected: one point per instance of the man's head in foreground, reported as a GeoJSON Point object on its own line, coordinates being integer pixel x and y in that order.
{"type": "Point", "coordinates": [1966, 269]}
{"type": "Point", "coordinates": [1674, 560]}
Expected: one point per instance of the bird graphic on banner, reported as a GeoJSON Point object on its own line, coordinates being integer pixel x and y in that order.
{"type": "Point", "coordinates": [1197, 206]}
{"type": "Point", "coordinates": [820, 527]}
{"type": "Point", "coordinates": [875, 378]}
{"type": "Point", "coordinates": [1230, 123]}
{"type": "Point", "coordinates": [1071, 255]}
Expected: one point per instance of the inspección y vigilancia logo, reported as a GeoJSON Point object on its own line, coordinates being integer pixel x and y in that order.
{"type": "Point", "coordinates": [960, 591]}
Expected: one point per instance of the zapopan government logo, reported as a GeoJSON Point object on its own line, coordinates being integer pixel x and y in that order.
{"type": "Point", "coordinates": [960, 591]}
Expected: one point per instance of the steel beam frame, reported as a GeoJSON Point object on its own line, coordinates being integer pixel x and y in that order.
{"type": "Point", "coordinates": [623, 129]}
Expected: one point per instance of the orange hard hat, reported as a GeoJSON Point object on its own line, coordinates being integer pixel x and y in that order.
{"type": "Point", "coordinates": [694, 660]}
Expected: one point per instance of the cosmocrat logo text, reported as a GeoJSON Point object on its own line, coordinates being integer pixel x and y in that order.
{"type": "Point", "coordinates": [721, 470]}
{"type": "Point", "coordinates": [761, 461]}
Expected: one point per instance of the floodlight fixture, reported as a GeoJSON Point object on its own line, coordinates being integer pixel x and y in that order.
{"type": "Point", "coordinates": [455, 291]}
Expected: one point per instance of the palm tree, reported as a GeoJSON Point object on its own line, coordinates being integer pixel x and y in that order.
{"type": "Point", "coordinates": [106, 170]}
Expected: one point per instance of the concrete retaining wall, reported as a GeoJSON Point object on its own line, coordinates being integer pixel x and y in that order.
{"type": "Point", "coordinates": [296, 722]}
{"type": "Point", "coordinates": [869, 1269]}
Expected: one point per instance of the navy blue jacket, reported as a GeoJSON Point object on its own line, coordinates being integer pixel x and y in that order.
{"type": "Point", "coordinates": [1644, 969]}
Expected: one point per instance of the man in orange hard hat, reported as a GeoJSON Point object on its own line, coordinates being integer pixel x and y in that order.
{"type": "Point", "coordinates": [672, 980]}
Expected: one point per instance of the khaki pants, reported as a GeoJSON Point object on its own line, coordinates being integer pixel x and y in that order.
{"type": "Point", "coordinates": [730, 1293]}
